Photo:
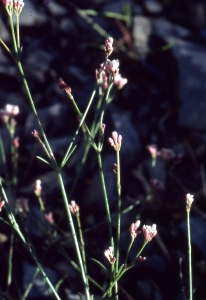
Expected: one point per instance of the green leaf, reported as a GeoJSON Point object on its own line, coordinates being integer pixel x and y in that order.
{"type": "Point", "coordinates": [99, 263]}
{"type": "Point", "coordinates": [59, 283]}
{"type": "Point", "coordinates": [42, 159]}
{"type": "Point", "coordinates": [67, 156]}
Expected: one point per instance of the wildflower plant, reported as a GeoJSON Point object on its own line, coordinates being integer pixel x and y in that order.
{"type": "Point", "coordinates": [108, 80]}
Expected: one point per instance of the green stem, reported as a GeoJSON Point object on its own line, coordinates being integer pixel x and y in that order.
{"type": "Point", "coordinates": [9, 278]}
{"type": "Point", "coordinates": [189, 254]}
{"type": "Point", "coordinates": [114, 282]}
{"type": "Point", "coordinates": [13, 34]}
{"type": "Point", "coordinates": [17, 33]}
{"type": "Point", "coordinates": [7, 49]}
{"type": "Point", "coordinates": [84, 279]}
{"type": "Point", "coordinates": [14, 165]}
{"type": "Point", "coordinates": [119, 210]}
{"type": "Point", "coordinates": [86, 110]}
{"type": "Point", "coordinates": [138, 254]}
{"type": "Point", "coordinates": [53, 161]}
{"type": "Point", "coordinates": [106, 202]}
{"type": "Point", "coordinates": [41, 204]}
{"type": "Point", "coordinates": [128, 250]}
{"type": "Point", "coordinates": [82, 246]}
{"type": "Point", "coordinates": [15, 226]}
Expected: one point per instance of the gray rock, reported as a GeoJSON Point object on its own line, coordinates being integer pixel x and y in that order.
{"type": "Point", "coordinates": [164, 28]}
{"type": "Point", "coordinates": [191, 60]}
{"type": "Point", "coordinates": [53, 119]}
{"type": "Point", "coordinates": [30, 15]}
{"type": "Point", "coordinates": [4, 33]}
{"type": "Point", "coordinates": [130, 137]}
{"type": "Point", "coordinates": [142, 29]}
{"type": "Point", "coordinates": [39, 288]}
{"type": "Point", "coordinates": [197, 228]}
{"type": "Point", "coordinates": [94, 194]}
{"type": "Point", "coordinates": [153, 6]}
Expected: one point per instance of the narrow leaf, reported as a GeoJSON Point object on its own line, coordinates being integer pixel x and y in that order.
{"type": "Point", "coordinates": [99, 263]}
{"type": "Point", "coordinates": [42, 159]}
{"type": "Point", "coordinates": [67, 156]}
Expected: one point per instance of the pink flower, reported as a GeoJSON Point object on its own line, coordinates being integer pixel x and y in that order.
{"type": "Point", "coordinates": [37, 188]}
{"type": "Point", "coordinates": [7, 2]}
{"type": "Point", "coordinates": [115, 141]}
{"type": "Point", "coordinates": [15, 142]}
{"type": "Point", "coordinates": [109, 254]}
{"type": "Point", "coordinates": [49, 218]}
{"type": "Point", "coordinates": [18, 4]}
{"type": "Point", "coordinates": [189, 201]}
{"type": "Point", "coordinates": [74, 208]}
{"type": "Point", "coordinates": [133, 229]}
{"type": "Point", "coordinates": [149, 232]}
{"type": "Point", "coordinates": [103, 126]}
{"type": "Point", "coordinates": [140, 259]}
{"type": "Point", "coordinates": [119, 81]}
{"type": "Point", "coordinates": [64, 86]}
{"type": "Point", "coordinates": [1, 204]}
{"type": "Point", "coordinates": [8, 112]}
{"type": "Point", "coordinates": [112, 67]}
{"type": "Point", "coordinates": [152, 150]}
{"type": "Point", "coordinates": [108, 46]}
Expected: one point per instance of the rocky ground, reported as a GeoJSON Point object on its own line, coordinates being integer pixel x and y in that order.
{"type": "Point", "coordinates": [162, 53]}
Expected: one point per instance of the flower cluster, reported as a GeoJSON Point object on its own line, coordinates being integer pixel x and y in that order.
{"type": "Point", "coordinates": [189, 201]}
{"type": "Point", "coordinates": [16, 4]}
{"type": "Point", "coordinates": [74, 208]}
{"type": "Point", "coordinates": [109, 254]}
{"type": "Point", "coordinates": [149, 232]}
{"type": "Point", "coordinates": [7, 2]}
{"type": "Point", "coordinates": [1, 204]}
{"type": "Point", "coordinates": [49, 218]}
{"type": "Point", "coordinates": [164, 153]}
{"type": "Point", "coordinates": [37, 188]}
{"type": "Point", "coordinates": [109, 72]}
{"type": "Point", "coordinates": [108, 46]}
{"type": "Point", "coordinates": [115, 141]}
{"type": "Point", "coordinates": [133, 229]}
{"type": "Point", "coordinates": [9, 111]}
{"type": "Point", "coordinates": [63, 86]}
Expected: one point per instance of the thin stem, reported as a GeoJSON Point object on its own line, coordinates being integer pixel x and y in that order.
{"type": "Point", "coordinates": [9, 278]}
{"type": "Point", "coordinates": [14, 165]}
{"type": "Point", "coordinates": [128, 250]}
{"type": "Point", "coordinates": [86, 110]}
{"type": "Point", "coordinates": [13, 33]}
{"type": "Point", "coordinates": [17, 33]}
{"type": "Point", "coordinates": [64, 252]}
{"type": "Point", "coordinates": [7, 49]}
{"type": "Point", "coordinates": [114, 282]}
{"type": "Point", "coordinates": [84, 279]}
{"type": "Point", "coordinates": [41, 204]}
{"type": "Point", "coordinates": [82, 246]}
{"type": "Point", "coordinates": [119, 210]}
{"type": "Point", "coordinates": [189, 254]}
{"type": "Point", "coordinates": [53, 161]}
{"type": "Point", "coordinates": [106, 202]}
{"type": "Point", "coordinates": [138, 254]}
{"type": "Point", "coordinates": [15, 226]}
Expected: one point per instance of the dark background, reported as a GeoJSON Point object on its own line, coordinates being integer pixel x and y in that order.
{"type": "Point", "coordinates": [162, 54]}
